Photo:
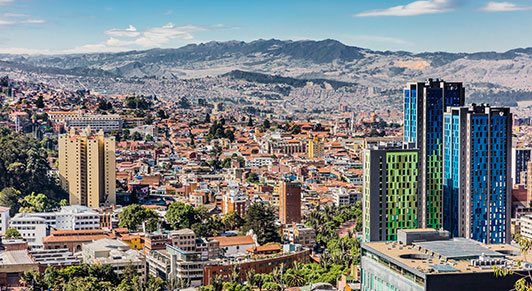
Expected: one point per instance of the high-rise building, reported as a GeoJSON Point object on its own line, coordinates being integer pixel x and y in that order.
{"type": "Point", "coordinates": [425, 103]}
{"type": "Point", "coordinates": [289, 202]}
{"type": "Point", "coordinates": [87, 167]}
{"type": "Point", "coordinates": [520, 159]}
{"type": "Point", "coordinates": [477, 185]}
{"type": "Point", "coordinates": [390, 187]}
{"type": "Point", "coordinates": [316, 148]}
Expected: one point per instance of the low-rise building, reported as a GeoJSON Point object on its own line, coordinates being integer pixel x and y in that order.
{"type": "Point", "coordinates": [234, 246]}
{"type": "Point", "coordinates": [115, 253]}
{"type": "Point", "coordinates": [345, 197]}
{"type": "Point", "coordinates": [73, 239]}
{"type": "Point", "coordinates": [185, 239]}
{"type": "Point", "coordinates": [59, 258]}
{"type": "Point", "coordinates": [300, 234]}
{"type": "Point", "coordinates": [13, 264]}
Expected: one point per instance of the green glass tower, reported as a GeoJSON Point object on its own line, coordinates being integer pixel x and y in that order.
{"type": "Point", "coordinates": [390, 191]}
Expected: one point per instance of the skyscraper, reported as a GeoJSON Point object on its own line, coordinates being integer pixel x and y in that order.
{"type": "Point", "coordinates": [87, 167]}
{"type": "Point", "coordinates": [289, 202]}
{"type": "Point", "coordinates": [477, 184]}
{"type": "Point", "coordinates": [389, 191]}
{"type": "Point", "coordinates": [424, 106]}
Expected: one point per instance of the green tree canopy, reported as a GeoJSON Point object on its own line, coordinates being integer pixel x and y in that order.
{"type": "Point", "coordinates": [134, 215]}
{"type": "Point", "coordinates": [261, 219]}
{"type": "Point", "coordinates": [180, 215]}
{"type": "Point", "coordinates": [12, 233]}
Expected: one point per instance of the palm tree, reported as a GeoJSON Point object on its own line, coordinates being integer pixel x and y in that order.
{"type": "Point", "coordinates": [250, 278]}
{"type": "Point", "coordinates": [217, 283]}
{"type": "Point", "coordinates": [32, 279]}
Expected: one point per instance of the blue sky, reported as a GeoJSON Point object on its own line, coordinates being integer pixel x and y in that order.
{"type": "Point", "coordinates": [59, 26]}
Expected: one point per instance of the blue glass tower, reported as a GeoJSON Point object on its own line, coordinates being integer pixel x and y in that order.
{"type": "Point", "coordinates": [425, 103]}
{"type": "Point", "coordinates": [477, 160]}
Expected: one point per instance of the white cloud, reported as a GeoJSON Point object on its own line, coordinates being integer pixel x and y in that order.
{"type": "Point", "coordinates": [34, 21]}
{"type": "Point", "coordinates": [4, 2]}
{"type": "Point", "coordinates": [5, 22]}
{"type": "Point", "coordinates": [413, 8]}
{"type": "Point", "coordinates": [8, 14]}
{"type": "Point", "coordinates": [157, 36]}
{"type": "Point", "coordinates": [131, 31]}
{"type": "Point", "coordinates": [504, 6]}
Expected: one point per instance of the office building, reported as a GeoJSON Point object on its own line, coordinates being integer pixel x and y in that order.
{"type": "Point", "coordinates": [87, 167]}
{"type": "Point", "coordinates": [289, 202]}
{"type": "Point", "coordinates": [477, 185]}
{"type": "Point", "coordinates": [316, 148]}
{"type": "Point", "coordinates": [390, 191]}
{"type": "Point", "coordinates": [426, 259]}
{"type": "Point", "coordinates": [520, 159]}
{"type": "Point", "coordinates": [425, 103]}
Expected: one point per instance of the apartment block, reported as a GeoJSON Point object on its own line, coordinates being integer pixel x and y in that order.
{"type": "Point", "coordinates": [424, 105]}
{"type": "Point", "coordinates": [289, 202]}
{"type": "Point", "coordinates": [390, 191]}
{"type": "Point", "coordinates": [87, 167]}
{"type": "Point", "coordinates": [477, 184]}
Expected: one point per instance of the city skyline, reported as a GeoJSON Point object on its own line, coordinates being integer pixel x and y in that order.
{"type": "Point", "coordinates": [51, 27]}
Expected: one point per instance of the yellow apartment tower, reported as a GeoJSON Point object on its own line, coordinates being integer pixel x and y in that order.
{"type": "Point", "coordinates": [315, 148]}
{"type": "Point", "coordinates": [87, 167]}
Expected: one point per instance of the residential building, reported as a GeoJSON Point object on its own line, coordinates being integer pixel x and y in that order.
{"type": "Point", "coordinates": [115, 253]}
{"type": "Point", "coordinates": [477, 185]}
{"type": "Point", "coordinates": [236, 201]}
{"type": "Point", "coordinates": [525, 226]}
{"type": "Point", "coordinates": [185, 239]}
{"type": "Point", "coordinates": [59, 258]}
{"type": "Point", "coordinates": [343, 196]}
{"type": "Point", "coordinates": [13, 264]}
{"type": "Point", "coordinates": [32, 228]}
{"type": "Point", "coordinates": [87, 168]}
{"type": "Point", "coordinates": [425, 103]}
{"type": "Point", "coordinates": [520, 159]}
{"type": "Point", "coordinates": [107, 123]}
{"type": "Point", "coordinates": [390, 191]}
{"type": "Point", "coordinates": [186, 265]}
{"type": "Point", "coordinates": [316, 148]}
{"type": "Point", "coordinates": [289, 202]}
{"type": "Point", "coordinates": [426, 259]}
{"type": "Point", "coordinates": [300, 234]}
{"type": "Point", "coordinates": [234, 246]}
{"type": "Point", "coordinates": [4, 219]}
{"type": "Point", "coordinates": [208, 248]}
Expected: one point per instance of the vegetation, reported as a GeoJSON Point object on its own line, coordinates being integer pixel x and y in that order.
{"type": "Point", "coordinates": [12, 233]}
{"type": "Point", "coordinates": [181, 215]}
{"type": "Point", "coordinates": [24, 168]}
{"type": "Point", "coordinates": [261, 219]}
{"type": "Point", "coordinates": [134, 215]}
{"type": "Point", "coordinates": [137, 103]}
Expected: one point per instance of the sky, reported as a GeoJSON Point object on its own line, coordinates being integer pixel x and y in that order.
{"type": "Point", "coordinates": [86, 26]}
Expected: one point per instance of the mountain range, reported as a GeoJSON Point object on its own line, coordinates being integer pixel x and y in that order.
{"type": "Point", "coordinates": [483, 72]}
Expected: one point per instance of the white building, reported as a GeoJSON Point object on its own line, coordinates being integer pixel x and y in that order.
{"type": "Point", "coordinates": [4, 219]}
{"type": "Point", "coordinates": [526, 226]}
{"type": "Point", "coordinates": [344, 197]}
{"type": "Point", "coordinates": [258, 161]}
{"type": "Point", "coordinates": [35, 226]}
{"type": "Point", "coordinates": [235, 246]}
{"type": "Point", "coordinates": [115, 253]}
{"type": "Point", "coordinates": [106, 123]}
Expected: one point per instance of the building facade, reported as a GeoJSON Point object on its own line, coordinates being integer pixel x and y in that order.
{"type": "Point", "coordinates": [289, 202]}
{"type": "Point", "coordinates": [477, 184]}
{"type": "Point", "coordinates": [87, 167]}
{"type": "Point", "coordinates": [316, 148]}
{"type": "Point", "coordinates": [520, 159]}
{"type": "Point", "coordinates": [390, 191]}
{"type": "Point", "coordinates": [424, 105]}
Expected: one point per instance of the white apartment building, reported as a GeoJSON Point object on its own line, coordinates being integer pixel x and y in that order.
{"type": "Point", "coordinates": [526, 226]}
{"type": "Point", "coordinates": [4, 219]}
{"type": "Point", "coordinates": [258, 161]}
{"type": "Point", "coordinates": [107, 123]}
{"type": "Point", "coordinates": [342, 196]}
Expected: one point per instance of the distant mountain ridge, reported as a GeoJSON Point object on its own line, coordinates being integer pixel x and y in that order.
{"type": "Point", "coordinates": [306, 59]}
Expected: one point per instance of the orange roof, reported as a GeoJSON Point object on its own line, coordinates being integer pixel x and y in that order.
{"type": "Point", "coordinates": [265, 248]}
{"type": "Point", "coordinates": [69, 238]}
{"type": "Point", "coordinates": [234, 240]}
{"type": "Point", "coordinates": [78, 231]}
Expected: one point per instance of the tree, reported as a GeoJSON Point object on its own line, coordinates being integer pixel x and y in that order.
{"type": "Point", "coordinates": [32, 279]}
{"type": "Point", "coordinates": [266, 124]}
{"type": "Point", "coordinates": [12, 233]}
{"type": "Point", "coordinates": [40, 102]}
{"type": "Point", "coordinates": [88, 284]}
{"type": "Point", "coordinates": [180, 215]}
{"type": "Point", "coordinates": [250, 122]}
{"type": "Point", "coordinates": [253, 177]}
{"type": "Point", "coordinates": [261, 219]}
{"type": "Point", "coordinates": [37, 203]}
{"type": "Point", "coordinates": [232, 220]}
{"type": "Point", "coordinates": [134, 215]}
{"type": "Point", "coordinates": [9, 198]}
{"type": "Point", "coordinates": [63, 202]}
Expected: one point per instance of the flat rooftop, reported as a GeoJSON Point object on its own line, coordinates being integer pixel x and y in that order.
{"type": "Point", "coordinates": [444, 256]}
